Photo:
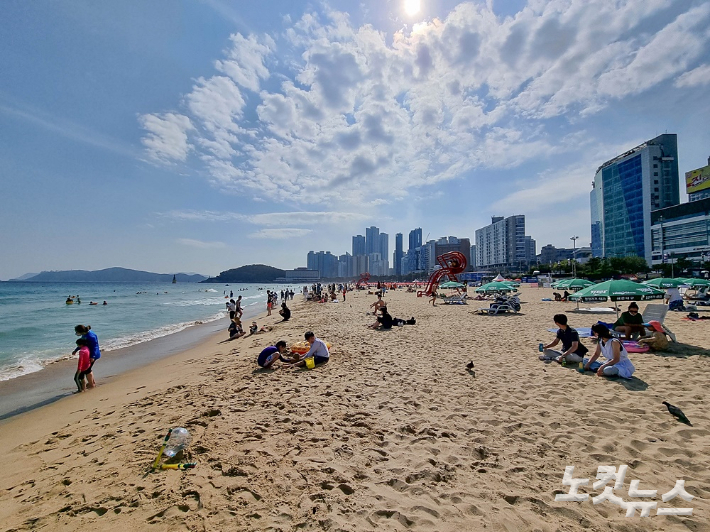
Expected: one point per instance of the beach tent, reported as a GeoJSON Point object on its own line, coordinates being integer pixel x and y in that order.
{"type": "Point", "coordinates": [498, 279]}
{"type": "Point", "coordinates": [618, 290]}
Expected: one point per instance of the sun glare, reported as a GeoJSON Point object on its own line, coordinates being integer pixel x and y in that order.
{"type": "Point", "coordinates": [411, 7]}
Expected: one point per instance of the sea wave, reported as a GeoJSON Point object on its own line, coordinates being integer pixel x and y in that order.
{"type": "Point", "coordinates": [195, 302]}
{"type": "Point", "coordinates": [36, 362]}
{"type": "Point", "coordinates": [133, 339]}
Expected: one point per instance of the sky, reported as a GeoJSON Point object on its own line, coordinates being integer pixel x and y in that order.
{"type": "Point", "coordinates": [203, 135]}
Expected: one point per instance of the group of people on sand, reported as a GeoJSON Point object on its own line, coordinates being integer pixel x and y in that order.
{"type": "Point", "coordinates": [87, 345]}
{"type": "Point", "coordinates": [616, 358]}
{"type": "Point", "coordinates": [385, 320]}
{"type": "Point", "coordinates": [318, 351]}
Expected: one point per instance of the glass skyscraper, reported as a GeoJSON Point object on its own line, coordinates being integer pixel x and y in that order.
{"type": "Point", "coordinates": [625, 191]}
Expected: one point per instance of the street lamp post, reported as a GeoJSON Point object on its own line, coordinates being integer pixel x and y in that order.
{"type": "Point", "coordinates": [574, 255]}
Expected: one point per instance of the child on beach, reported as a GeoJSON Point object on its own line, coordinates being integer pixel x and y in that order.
{"type": "Point", "coordinates": [84, 366]}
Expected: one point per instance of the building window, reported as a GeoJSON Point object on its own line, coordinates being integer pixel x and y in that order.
{"type": "Point", "coordinates": [655, 174]}
{"type": "Point", "coordinates": [655, 165]}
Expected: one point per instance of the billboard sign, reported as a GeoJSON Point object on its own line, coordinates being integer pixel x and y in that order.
{"type": "Point", "coordinates": [697, 180]}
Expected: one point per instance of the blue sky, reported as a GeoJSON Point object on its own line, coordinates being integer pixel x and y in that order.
{"type": "Point", "coordinates": [204, 135]}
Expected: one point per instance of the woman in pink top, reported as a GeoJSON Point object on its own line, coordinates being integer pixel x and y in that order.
{"type": "Point", "coordinates": [84, 367]}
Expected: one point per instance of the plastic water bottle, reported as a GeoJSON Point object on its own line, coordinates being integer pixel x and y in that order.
{"type": "Point", "coordinates": [581, 367]}
{"type": "Point", "coordinates": [540, 347]}
{"type": "Point", "coordinates": [180, 438]}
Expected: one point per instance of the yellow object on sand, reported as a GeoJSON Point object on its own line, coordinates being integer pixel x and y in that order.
{"type": "Point", "coordinates": [310, 363]}
{"type": "Point", "coordinates": [302, 348]}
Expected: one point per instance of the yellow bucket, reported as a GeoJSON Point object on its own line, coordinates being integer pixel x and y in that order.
{"type": "Point", "coordinates": [310, 363]}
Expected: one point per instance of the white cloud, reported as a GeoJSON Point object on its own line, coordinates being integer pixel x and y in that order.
{"type": "Point", "coordinates": [273, 218]}
{"type": "Point", "coordinates": [693, 78]}
{"type": "Point", "coordinates": [167, 136]}
{"type": "Point", "coordinates": [200, 244]}
{"type": "Point", "coordinates": [359, 112]}
{"type": "Point", "coordinates": [281, 233]}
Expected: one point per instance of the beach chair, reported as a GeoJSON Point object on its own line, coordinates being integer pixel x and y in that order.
{"type": "Point", "coordinates": [655, 312]}
{"type": "Point", "coordinates": [455, 299]}
{"type": "Point", "coordinates": [501, 308]}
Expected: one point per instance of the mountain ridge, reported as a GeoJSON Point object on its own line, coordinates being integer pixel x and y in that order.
{"type": "Point", "coordinates": [109, 275]}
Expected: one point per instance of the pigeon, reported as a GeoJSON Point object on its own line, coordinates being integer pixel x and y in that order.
{"type": "Point", "coordinates": [678, 413]}
{"type": "Point", "coordinates": [470, 365]}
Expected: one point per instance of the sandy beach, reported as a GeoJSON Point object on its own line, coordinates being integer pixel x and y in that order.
{"type": "Point", "coordinates": [394, 433]}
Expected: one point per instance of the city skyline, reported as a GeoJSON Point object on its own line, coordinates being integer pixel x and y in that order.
{"type": "Point", "coordinates": [200, 137]}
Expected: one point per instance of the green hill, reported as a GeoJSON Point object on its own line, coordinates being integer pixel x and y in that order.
{"type": "Point", "coordinates": [253, 273]}
{"type": "Point", "coordinates": [111, 275]}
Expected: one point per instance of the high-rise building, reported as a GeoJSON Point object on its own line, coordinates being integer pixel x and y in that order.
{"type": "Point", "coordinates": [415, 238]}
{"type": "Point", "coordinates": [473, 258]}
{"type": "Point", "coordinates": [398, 253]}
{"type": "Point", "coordinates": [372, 240]}
{"type": "Point", "coordinates": [697, 183]}
{"type": "Point", "coordinates": [358, 245]}
{"type": "Point", "coordinates": [384, 245]}
{"type": "Point", "coordinates": [625, 191]}
{"type": "Point", "coordinates": [324, 262]}
{"type": "Point", "coordinates": [530, 250]}
{"type": "Point", "coordinates": [502, 243]}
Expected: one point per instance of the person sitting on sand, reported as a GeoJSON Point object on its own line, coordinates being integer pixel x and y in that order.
{"type": "Point", "coordinates": [84, 367]}
{"type": "Point", "coordinates": [318, 351]}
{"type": "Point", "coordinates": [572, 349]}
{"type": "Point", "coordinates": [565, 296]}
{"type": "Point", "coordinates": [253, 328]}
{"type": "Point", "coordinates": [377, 305]}
{"type": "Point", "coordinates": [384, 321]}
{"type": "Point", "coordinates": [285, 312]}
{"type": "Point", "coordinates": [235, 329]}
{"type": "Point", "coordinates": [617, 359]}
{"type": "Point", "coordinates": [630, 322]}
{"type": "Point", "coordinates": [271, 354]}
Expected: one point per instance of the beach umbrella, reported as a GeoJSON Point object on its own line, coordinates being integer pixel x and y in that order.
{"type": "Point", "coordinates": [573, 284]}
{"type": "Point", "coordinates": [666, 282]}
{"type": "Point", "coordinates": [618, 290]}
{"type": "Point", "coordinates": [451, 284]}
{"type": "Point", "coordinates": [694, 282]}
{"type": "Point", "coordinates": [496, 287]}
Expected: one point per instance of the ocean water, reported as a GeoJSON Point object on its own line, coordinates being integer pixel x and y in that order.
{"type": "Point", "coordinates": [37, 326]}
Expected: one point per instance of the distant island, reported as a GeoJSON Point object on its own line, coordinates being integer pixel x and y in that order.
{"type": "Point", "coordinates": [253, 273]}
{"type": "Point", "coordinates": [109, 275]}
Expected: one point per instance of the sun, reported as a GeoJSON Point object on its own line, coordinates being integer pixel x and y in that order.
{"type": "Point", "coordinates": [411, 7]}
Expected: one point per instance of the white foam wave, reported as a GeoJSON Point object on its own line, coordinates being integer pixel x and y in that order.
{"type": "Point", "coordinates": [195, 302]}
{"type": "Point", "coordinates": [23, 367]}
{"type": "Point", "coordinates": [211, 290]}
{"type": "Point", "coordinates": [128, 341]}
{"type": "Point", "coordinates": [34, 363]}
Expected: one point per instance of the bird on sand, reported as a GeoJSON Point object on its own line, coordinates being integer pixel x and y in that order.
{"type": "Point", "coordinates": [678, 413]}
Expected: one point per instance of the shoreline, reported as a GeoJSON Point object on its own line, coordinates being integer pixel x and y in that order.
{"type": "Point", "coordinates": [54, 381]}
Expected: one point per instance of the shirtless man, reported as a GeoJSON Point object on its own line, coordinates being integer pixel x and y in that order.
{"type": "Point", "coordinates": [377, 305]}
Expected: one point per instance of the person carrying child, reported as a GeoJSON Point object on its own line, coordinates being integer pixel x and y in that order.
{"type": "Point", "coordinates": [84, 367]}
